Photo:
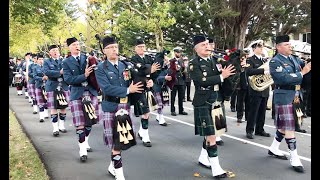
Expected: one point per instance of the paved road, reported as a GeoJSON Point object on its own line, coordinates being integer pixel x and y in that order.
{"type": "Point", "coordinates": [173, 155]}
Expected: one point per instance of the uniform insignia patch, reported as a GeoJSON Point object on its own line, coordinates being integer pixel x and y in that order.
{"type": "Point", "coordinates": [204, 79]}
{"type": "Point", "coordinates": [191, 67]}
{"type": "Point", "coordinates": [279, 69]}
{"type": "Point", "coordinates": [293, 75]}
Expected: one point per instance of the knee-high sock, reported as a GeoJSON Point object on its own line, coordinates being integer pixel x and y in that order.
{"type": "Point", "coordinates": [87, 130]}
{"type": "Point", "coordinates": [144, 123]}
{"type": "Point", "coordinates": [117, 161]}
{"type": "Point", "coordinates": [82, 135]}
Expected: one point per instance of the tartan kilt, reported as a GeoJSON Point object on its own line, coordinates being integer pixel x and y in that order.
{"type": "Point", "coordinates": [203, 122]}
{"type": "Point", "coordinates": [39, 97]}
{"type": "Point", "coordinates": [284, 117]}
{"type": "Point", "coordinates": [31, 90]}
{"type": "Point", "coordinates": [107, 119]}
{"type": "Point", "coordinates": [50, 96]}
{"type": "Point", "coordinates": [78, 117]}
{"type": "Point", "coordinates": [159, 101]}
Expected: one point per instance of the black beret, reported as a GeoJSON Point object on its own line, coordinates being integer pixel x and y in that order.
{"type": "Point", "coordinates": [198, 39]}
{"type": "Point", "coordinates": [40, 55]}
{"type": "Point", "coordinates": [71, 40]}
{"type": "Point", "coordinates": [108, 40]}
{"type": "Point", "coordinates": [210, 40]}
{"type": "Point", "coordinates": [52, 47]}
{"type": "Point", "coordinates": [139, 41]}
{"type": "Point", "coordinates": [33, 55]}
{"type": "Point", "coordinates": [283, 38]}
{"type": "Point", "coordinates": [28, 54]}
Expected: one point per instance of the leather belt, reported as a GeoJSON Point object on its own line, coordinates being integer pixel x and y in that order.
{"type": "Point", "coordinates": [289, 87]}
{"type": "Point", "coordinates": [115, 99]}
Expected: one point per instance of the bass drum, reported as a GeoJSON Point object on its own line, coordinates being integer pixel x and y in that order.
{"type": "Point", "coordinates": [18, 80]}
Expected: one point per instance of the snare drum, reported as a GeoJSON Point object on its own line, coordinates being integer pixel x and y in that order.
{"type": "Point", "coordinates": [18, 79]}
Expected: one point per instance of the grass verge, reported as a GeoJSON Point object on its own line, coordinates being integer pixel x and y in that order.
{"type": "Point", "coordinates": [24, 160]}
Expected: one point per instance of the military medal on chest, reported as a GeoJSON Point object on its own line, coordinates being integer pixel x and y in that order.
{"type": "Point", "coordinates": [219, 67]}
{"type": "Point", "coordinates": [126, 75]}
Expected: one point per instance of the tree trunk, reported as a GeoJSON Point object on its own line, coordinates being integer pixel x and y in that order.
{"type": "Point", "coordinates": [161, 41]}
{"type": "Point", "coordinates": [157, 34]}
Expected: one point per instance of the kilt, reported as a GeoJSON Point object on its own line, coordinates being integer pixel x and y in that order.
{"type": "Point", "coordinates": [141, 105]}
{"type": "Point", "coordinates": [284, 117]}
{"type": "Point", "coordinates": [39, 97]}
{"type": "Point", "coordinates": [157, 96]}
{"type": "Point", "coordinates": [107, 119]}
{"type": "Point", "coordinates": [203, 122]}
{"type": "Point", "coordinates": [50, 97]}
{"type": "Point", "coordinates": [77, 112]}
{"type": "Point", "coordinates": [31, 90]}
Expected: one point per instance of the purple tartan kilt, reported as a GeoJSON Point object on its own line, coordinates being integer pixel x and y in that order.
{"type": "Point", "coordinates": [31, 90]}
{"type": "Point", "coordinates": [77, 112]}
{"type": "Point", "coordinates": [40, 100]}
{"type": "Point", "coordinates": [50, 97]}
{"type": "Point", "coordinates": [157, 96]}
{"type": "Point", "coordinates": [284, 117]}
{"type": "Point", "coordinates": [107, 122]}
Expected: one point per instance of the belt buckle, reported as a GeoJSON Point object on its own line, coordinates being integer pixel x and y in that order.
{"type": "Point", "coordinates": [124, 100]}
{"type": "Point", "coordinates": [216, 87]}
{"type": "Point", "coordinates": [297, 87]}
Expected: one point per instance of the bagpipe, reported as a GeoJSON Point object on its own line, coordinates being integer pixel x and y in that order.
{"type": "Point", "coordinates": [123, 135]}
{"type": "Point", "coordinates": [89, 111]}
{"type": "Point", "coordinates": [229, 84]}
{"type": "Point", "coordinates": [172, 72]}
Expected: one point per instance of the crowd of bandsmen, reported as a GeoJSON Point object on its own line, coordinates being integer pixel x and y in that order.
{"type": "Point", "coordinates": [148, 83]}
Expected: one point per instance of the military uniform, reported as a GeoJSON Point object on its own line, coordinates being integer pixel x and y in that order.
{"type": "Point", "coordinates": [51, 68]}
{"type": "Point", "coordinates": [31, 86]}
{"type": "Point", "coordinates": [38, 73]}
{"type": "Point", "coordinates": [287, 77]}
{"type": "Point", "coordinates": [258, 101]}
{"type": "Point", "coordinates": [20, 84]}
{"type": "Point", "coordinates": [25, 82]}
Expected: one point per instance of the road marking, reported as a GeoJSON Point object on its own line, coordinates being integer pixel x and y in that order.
{"type": "Point", "coordinates": [305, 134]}
{"type": "Point", "coordinates": [232, 137]}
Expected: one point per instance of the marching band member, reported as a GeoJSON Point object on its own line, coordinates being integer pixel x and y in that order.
{"type": "Point", "coordinates": [76, 73]}
{"type": "Point", "coordinates": [143, 109]}
{"type": "Point", "coordinates": [25, 63]}
{"type": "Point", "coordinates": [161, 99]}
{"type": "Point", "coordinates": [287, 72]}
{"type": "Point", "coordinates": [258, 99]}
{"type": "Point", "coordinates": [52, 68]}
{"type": "Point", "coordinates": [31, 83]}
{"type": "Point", "coordinates": [113, 77]}
{"type": "Point", "coordinates": [207, 76]}
{"type": "Point", "coordinates": [40, 80]}
{"type": "Point", "coordinates": [19, 82]}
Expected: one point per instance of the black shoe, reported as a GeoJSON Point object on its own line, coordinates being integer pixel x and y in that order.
{"type": "Point", "coordinates": [46, 117]}
{"type": "Point", "coordinates": [89, 149]}
{"type": "Point", "coordinates": [224, 175]}
{"type": "Point", "coordinates": [147, 144]}
{"type": "Point", "coordinates": [173, 114]}
{"type": "Point", "coordinates": [184, 100]}
{"type": "Point", "coordinates": [35, 112]}
{"type": "Point", "coordinates": [298, 169]}
{"type": "Point", "coordinates": [301, 130]}
{"type": "Point", "coordinates": [183, 113]}
{"type": "Point", "coordinates": [41, 120]}
{"type": "Point", "coordinates": [263, 133]}
{"type": "Point", "coordinates": [63, 130]}
{"type": "Point", "coordinates": [239, 121]}
{"type": "Point", "coordinates": [283, 157]}
{"type": "Point", "coordinates": [249, 135]}
{"type": "Point", "coordinates": [55, 134]}
{"type": "Point", "coordinates": [83, 158]}
{"type": "Point", "coordinates": [26, 97]}
{"type": "Point", "coordinates": [189, 100]}
{"type": "Point", "coordinates": [220, 143]}
{"type": "Point", "coordinates": [164, 124]}
{"type": "Point", "coordinates": [233, 110]}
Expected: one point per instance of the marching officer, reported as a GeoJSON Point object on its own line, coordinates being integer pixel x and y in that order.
{"type": "Point", "coordinates": [287, 72]}
{"type": "Point", "coordinates": [113, 77]}
{"type": "Point", "coordinates": [207, 76]}
{"type": "Point", "coordinates": [76, 73]}
{"type": "Point", "coordinates": [52, 68]}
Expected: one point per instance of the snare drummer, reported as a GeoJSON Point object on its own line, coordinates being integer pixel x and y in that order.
{"type": "Point", "coordinates": [76, 73]}
{"type": "Point", "coordinates": [53, 69]}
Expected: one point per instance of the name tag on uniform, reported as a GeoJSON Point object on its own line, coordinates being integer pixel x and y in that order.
{"type": "Point", "coordinates": [124, 100]}
{"type": "Point", "coordinates": [216, 87]}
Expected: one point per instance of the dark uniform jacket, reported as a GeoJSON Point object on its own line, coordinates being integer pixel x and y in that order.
{"type": "Point", "coordinates": [205, 75]}
{"type": "Point", "coordinates": [30, 73]}
{"type": "Point", "coordinates": [38, 73]}
{"type": "Point", "coordinates": [52, 69]}
{"type": "Point", "coordinates": [180, 76]}
{"type": "Point", "coordinates": [254, 69]}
